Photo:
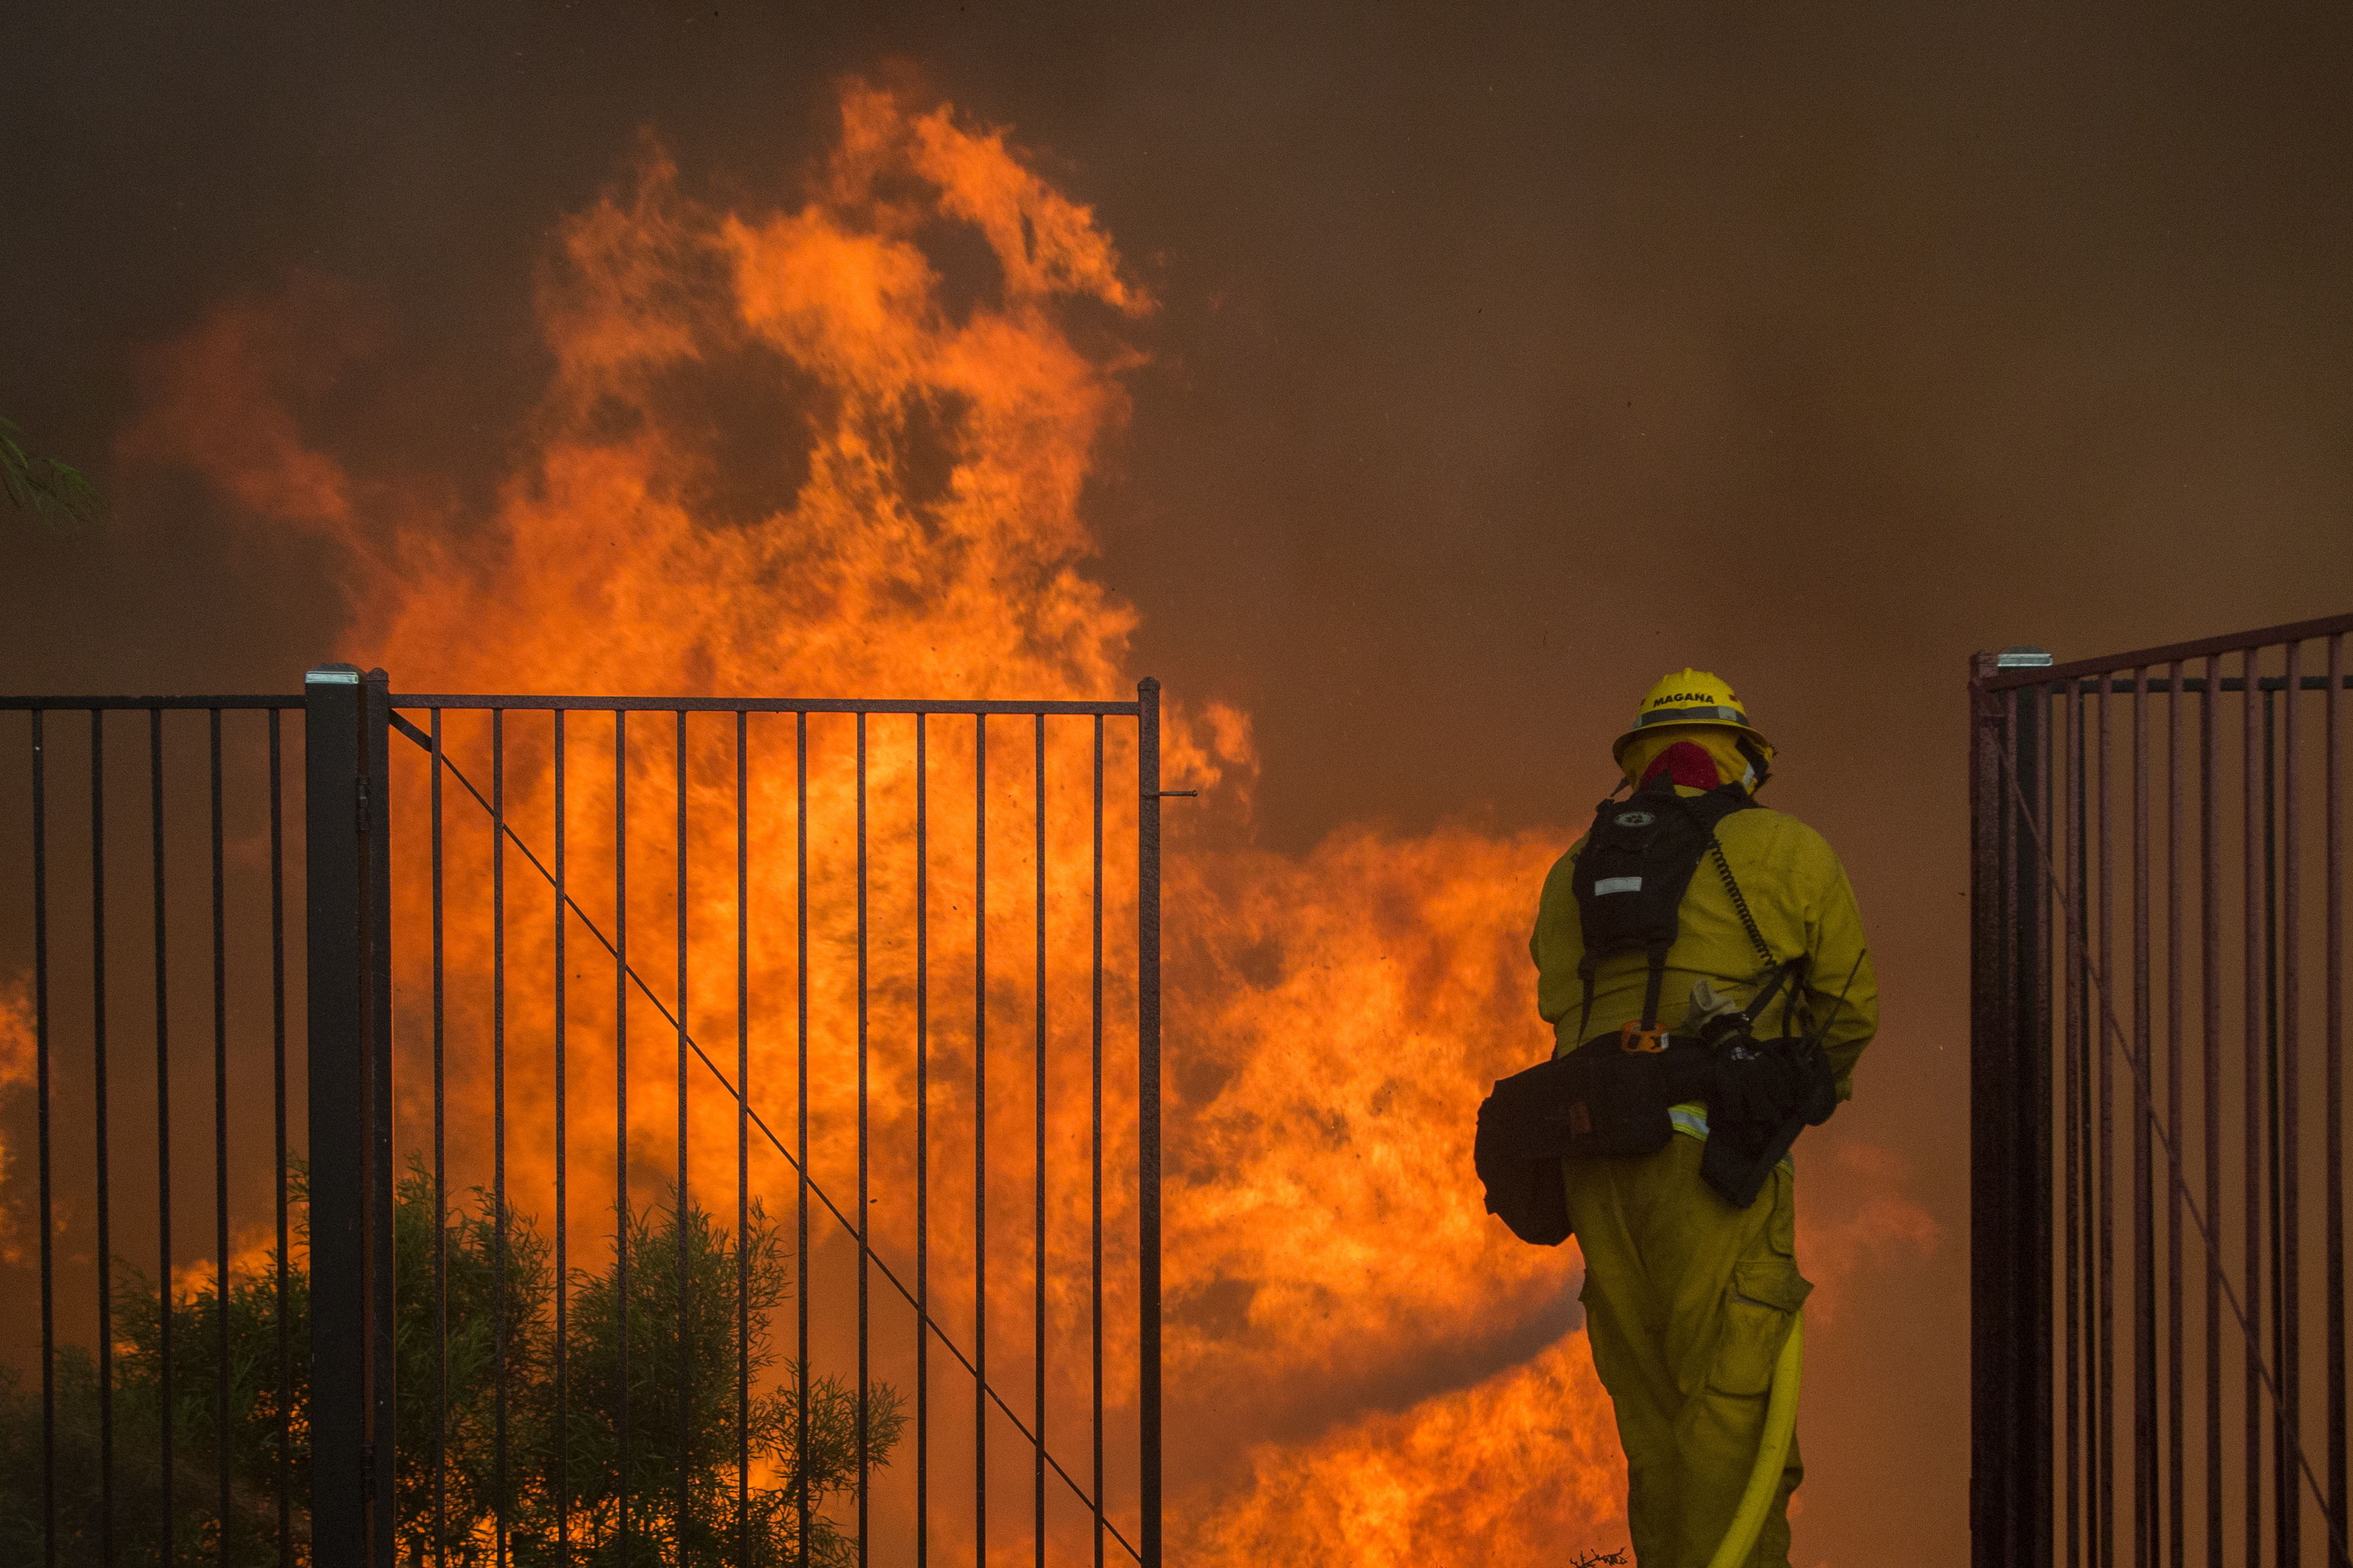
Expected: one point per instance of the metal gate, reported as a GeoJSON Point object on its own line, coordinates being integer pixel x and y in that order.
{"type": "Point", "coordinates": [2157, 1214]}
{"type": "Point", "coordinates": [732, 1135]}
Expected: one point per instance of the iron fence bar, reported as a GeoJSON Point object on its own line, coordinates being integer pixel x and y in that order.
{"type": "Point", "coordinates": [2082, 1346]}
{"type": "Point", "coordinates": [41, 1112]}
{"type": "Point", "coordinates": [923, 1153]}
{"type": "Point", "coordinates": [803, 706]}
{"type": "Point", "coordinates": [679, 1211]}
{"type": "Point", "coordinates": [2010, 1331]}
{"type": "Point", "coordinates": [2288, 1052]}
{"type": "Point", "coordinates": [620, 948]}
{"type": "Point", "coordinates": [2160, 686]}
{"type": "Point", "coordinates": [342, 1410]}
{"type": "Point", "coordinates": [224, 1543]}
{"type": "Point", "coordinates": [2251, 1110]}
{"type": "Point", "coordinates": [440, 1174]}
{"type": "Point", "coordinates": [2065, 756]}
{"type": "Point", "coordinates": [980, 1132]}
{"type": "Point", "coordinates": [2041, 718]}
{"type": "Point", "coordinates": [2333, 814]}
{"type": "Point", "coordinates": [168, 1475]}
{"type": "Point", "coordinates": [1094, 1145]}
{"type": "Point", "coordinates": [146, 704]}
{"type": "Point", "coordinates": [555, 703]}
{"type": "Point", "coordinates": [2261, 1371]}
{"type": "Point", "coordinates": [102, 1129]}
{"type": "Point", "coordinates": [500, 1493]}
{"type": "Point", "coordinates": [800, 1106]}
{"type": "Point", "coordinates": [1037, 1184]}
{"type": "Point", "coordinates": [375, 838]}
{"type": "Point", "coordinates": [865, 1249]}
{"type": "Point", "coordinates": [2210, 993]}
{"type": "Point", "coordinates": [2274, 1175]}
{"type": "Point", "coordinates": [742, 1139]}
{"type": "Point", "coordinates": [2175, 1432]}
{"type": "Point", "coordinates": [1147, 1107]}
{"type": "Point", "coordinates": [2147, 1538]}
{"type": "Point", "coordinates": [278, 1128]}
{"type": "Point", "coordinates": [2105, 1208]}
{"type": "Point", "coordinates": [2098, 1183]}
{"type": "Point", "coordinates": [890, 1276]}
{"type": "Point", "coordinates": [2236, 642]}
{"type": "Point", "coordinates": [560, 1024]}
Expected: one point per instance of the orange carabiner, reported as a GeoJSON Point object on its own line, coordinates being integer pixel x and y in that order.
{"type": "Point", "coordinates": [1633, 1036]}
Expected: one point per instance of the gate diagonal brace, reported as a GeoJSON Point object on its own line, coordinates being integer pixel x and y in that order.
{"type": "Point", "coordinates": [425, 743]}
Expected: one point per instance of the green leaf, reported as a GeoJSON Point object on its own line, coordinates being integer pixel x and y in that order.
{"type": "Point", "coordinates": [48, 488]}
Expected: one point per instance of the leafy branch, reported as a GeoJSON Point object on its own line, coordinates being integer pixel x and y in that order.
{"type": "Point", "coordinates": [509, 1445]}
{"type": "Point", "coordinates": [48, 488]}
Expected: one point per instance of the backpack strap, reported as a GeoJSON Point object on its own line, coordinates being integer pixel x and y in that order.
{"type": "Point", "coordinates": [1657, 982]}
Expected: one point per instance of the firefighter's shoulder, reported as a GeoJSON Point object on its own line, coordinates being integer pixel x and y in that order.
{"type": "Point", "coordinates": [1778, 840]}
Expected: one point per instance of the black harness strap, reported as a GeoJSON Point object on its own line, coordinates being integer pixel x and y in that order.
{"type": "Point", "coordinates": [1657, 981]}
{"type": "Point", "coordinates": [1584, 968]}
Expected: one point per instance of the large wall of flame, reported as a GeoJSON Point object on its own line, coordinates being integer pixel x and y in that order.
{"type": "Point", "coordinates": [1333, 1017]}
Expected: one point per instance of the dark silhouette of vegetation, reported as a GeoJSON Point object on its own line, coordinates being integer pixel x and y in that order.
{"type": "Point", "coordinates": [496, 1417]}
{"type": "Point", "coordinates": [44, 487]}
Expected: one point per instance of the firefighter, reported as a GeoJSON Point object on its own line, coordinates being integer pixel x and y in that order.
{"type": "Point", "coordinates": [1689, 1299]}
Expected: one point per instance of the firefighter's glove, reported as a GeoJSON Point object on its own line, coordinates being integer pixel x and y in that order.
{"type": "Point", "coordinates": [1707, 1005]}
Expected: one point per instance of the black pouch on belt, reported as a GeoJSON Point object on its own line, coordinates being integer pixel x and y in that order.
{"type": "Point", "coordinates": [1765, 1093]}
{"type": "Point", "coordinates": [1599, 1099]}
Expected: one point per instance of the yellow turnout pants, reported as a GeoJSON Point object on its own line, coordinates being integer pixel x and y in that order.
{"type": "Point", "coordinates": [1687, 1302]}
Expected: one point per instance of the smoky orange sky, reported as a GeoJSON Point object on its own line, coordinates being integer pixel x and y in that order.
{"type": "Point", "coordinates": [1427, 386]}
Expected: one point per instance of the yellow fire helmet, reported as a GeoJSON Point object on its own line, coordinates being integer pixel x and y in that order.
{"type": "Point", "coordinates": [1691, 696]}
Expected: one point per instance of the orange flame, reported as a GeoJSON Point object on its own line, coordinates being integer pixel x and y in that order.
{"type": "Point", "coordinates": [1524, 1469]}
{"type": "Point", "coordinates": [1334, 1017]}
{"type": "Point", "coordinates": [19, 1048]}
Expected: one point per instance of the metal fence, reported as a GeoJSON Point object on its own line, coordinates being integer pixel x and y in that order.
{"type": "Point", "coordinates": [731, 1130]}
{"type": "Point", "coordinates": [2159, 1202]}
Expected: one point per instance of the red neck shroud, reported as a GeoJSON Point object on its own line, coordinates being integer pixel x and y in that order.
{"type": "Point", "coordinates": [1687, 765]}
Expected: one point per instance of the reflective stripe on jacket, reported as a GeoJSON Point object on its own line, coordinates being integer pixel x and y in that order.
{"type": "Point", "coordinates": [1802, 903]}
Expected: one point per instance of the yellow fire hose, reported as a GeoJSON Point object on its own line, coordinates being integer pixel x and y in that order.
{"type": "Point", "coordinates": [1772, 1452]}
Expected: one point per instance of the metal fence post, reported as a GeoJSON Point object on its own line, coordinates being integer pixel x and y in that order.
{"type": "Point", "coordinates": [345, 720]}
{"type": "Point", "coordinates": [2009, 1136]}
{"type": "Point", "coordinates": [1148, 1008]}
